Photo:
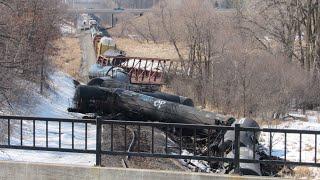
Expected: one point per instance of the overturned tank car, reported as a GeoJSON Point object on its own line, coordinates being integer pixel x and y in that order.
{"type": "Point", "coordinates": [114, 94]}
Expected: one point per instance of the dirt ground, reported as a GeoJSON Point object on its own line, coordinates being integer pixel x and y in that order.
{"type": "Point", "coordinates": [66, 61]}
{"type": "Point", "coordinates": [144, 146]}
{"type": "Point", "coordinates": [135, 48]}
{"type": "Point", "coordinates": [88, 54]}
{"type": "Point", "coordinates": [75, 55]}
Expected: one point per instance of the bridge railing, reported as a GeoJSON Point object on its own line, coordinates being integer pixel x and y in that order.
{"type": "Point", "coordinates": [47, 134]}
{"type": "Point", "coordinates": [143, 139]}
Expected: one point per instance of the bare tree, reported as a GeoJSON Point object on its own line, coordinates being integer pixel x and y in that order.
{"type": "Point", "coordinates": [242, 61]}
{"type": "Point", "coordinates": [27, 29]}
{"type": "Point", "coordinates": [292, 24]}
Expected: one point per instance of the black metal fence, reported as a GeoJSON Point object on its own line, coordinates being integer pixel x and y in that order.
{"type": "Point", "coordinates": [14, 128]}
{"type": "Point", "coordinates": [285, 132]}
{"type": "Point", "coordinates": [19, 137]}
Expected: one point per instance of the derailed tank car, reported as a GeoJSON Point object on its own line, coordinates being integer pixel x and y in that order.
{"type": "Point", "coordinates": [150, 107]}
{"type": "Point", "coordinates": [248, 146]}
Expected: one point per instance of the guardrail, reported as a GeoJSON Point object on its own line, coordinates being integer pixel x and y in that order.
{"type": "Point", "coordinates": [19, 137]}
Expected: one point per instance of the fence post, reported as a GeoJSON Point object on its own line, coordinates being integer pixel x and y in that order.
{"type": "Point", "coordinates": [236, 148]}
{"type": "Point", "coordinates": [112, 20]}
{"type": "Point", "coordinates": [98, 141]}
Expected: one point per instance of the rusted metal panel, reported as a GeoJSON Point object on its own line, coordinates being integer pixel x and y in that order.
{"type": "Point", "coordinates": [141, 70]}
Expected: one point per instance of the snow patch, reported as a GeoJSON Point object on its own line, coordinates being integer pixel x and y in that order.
{"type": "Point", "coordinates": [311, 116]}
{"type": "Point", "coordinates": [308, 153]}
{"type": "Point", "coordinates": [203, 166]}
{"type": "Point", "coordinates": [53, 105]}
{"type": "Point", "coordinates": [67, 29]}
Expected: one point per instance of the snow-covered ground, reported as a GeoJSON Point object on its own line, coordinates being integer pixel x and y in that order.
{"type": "Point", "coordinates": [54, 104]}
{"type": "Point", "coordinates": [310, 116]}
{"type": "Point", "coordinates": [67, 29]}
{"type": "Point", "coordinates": [308, 153]}
{"type": "Point", "coordinates": [293, 144]}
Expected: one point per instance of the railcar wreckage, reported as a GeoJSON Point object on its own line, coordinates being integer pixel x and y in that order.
{"type": "Point", "coordinates": [130, 86]}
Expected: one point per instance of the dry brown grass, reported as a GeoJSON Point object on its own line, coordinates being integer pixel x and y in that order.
{"type": "Point", "coordinates": [302, 172]}
{"type": "Point", "coordinates": [68, 58]}
{"type": "Point", "coordinates": [166, 90]}
{"type": "Point", "coordinates": [145, 49]}
{"type": "Point", "coordinates": [309, 148]}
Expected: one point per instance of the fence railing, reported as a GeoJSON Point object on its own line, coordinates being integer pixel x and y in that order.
{"type": "Point", "coordinates": [151, 139]}
{"type": "Point", "coordinates": [20, 133]}
{"type": "Point", "coordinates": [271, 132]}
